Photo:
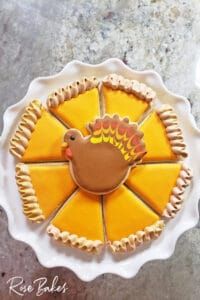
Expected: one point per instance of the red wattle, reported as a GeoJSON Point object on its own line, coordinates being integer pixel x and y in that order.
{"type": "Point", "coordinates": [68, 153]}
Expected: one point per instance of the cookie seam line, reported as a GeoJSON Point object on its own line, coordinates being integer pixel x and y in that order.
{"type": "Point", "coordinates": [47, 163]}
{"type": "Point", "coordinates": [125, 85]}
{"type": "Point", "coordinates": [97, 245]}
{"type": "Point", "coordinates": [101, 101]}
{"type": "Point", "coordinates": [161, 162]}
{"type": "Point", "coordinates": [104, 219]}
{"type": "Point", "coordinates": [22, 172]}
{"type": "Point", "coordinates": [59, 119]}
{"type": "Point", "coordinates": [173, 132]}
{"type": "Point", "coordinates": [141, 199]}
{"type": "Point", "coordinates": [26, 126]}
{"type": "Point", "coordinates": [176, 197]}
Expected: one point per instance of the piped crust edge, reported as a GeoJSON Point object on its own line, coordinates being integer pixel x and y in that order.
{"type": "Point", "coordinates": [31, 207]}
{"type": "Point", "coordinates": [131, 242]}
{"type": "Point", "coordinates": [176, 198]}
{"type": "Point", "coordinates": [20, 139]}
{"type": "Point", "coordinates": [173, 131]}
{"type": "Point", "coordinates": [74, 240]}
{"type": "Point", "coordinates": [70, 91]}
{"type": "Point", "coordinates": [140, 90]}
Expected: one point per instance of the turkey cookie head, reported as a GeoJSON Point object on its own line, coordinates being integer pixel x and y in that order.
{"type": "Point", "coordinates": [101, 162]}
{"type": "Point", "coordinates": [72, 140]}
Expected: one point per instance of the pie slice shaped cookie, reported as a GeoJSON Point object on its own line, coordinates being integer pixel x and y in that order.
{"type": "Point", "coordinates": [128, 221]}
{"type": "Point", "coordinates": [162, 136]}
{"type": "Point", "coordinates": [161, 186]}
{"type": "Point", "coordinates": [77, 104]}
{"type": "Point", "coordinates": [79, 222]}
{"type": "Point", "coordinates": [43, 188]}
{"type": "Point", "coordinates": [128, 98]}
{"type": "Point", "coordinates": [39, 136]}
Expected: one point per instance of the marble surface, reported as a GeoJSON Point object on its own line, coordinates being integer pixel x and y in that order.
{"type": "Point", "coordinates": [38, 38]}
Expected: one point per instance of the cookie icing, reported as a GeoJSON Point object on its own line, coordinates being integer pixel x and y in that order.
{"type": "Point", "coordinates": [131, 242]}
{"type": "Point", "coordinates": [43, 188]}
{"type": "Point", "coordinates": [38, 137]}
{"type": "Point", "coordinates": [173, 130]}
{"type": "Point", "coordinates": [79, 222]}
{"type": "Point", "coordinates": [142, 91]}
{"type": "Point", "coordinates": [101, 162]}
{"type": "Point", "coordinates": [74, 240]}
{"type": "Point", "coordinates": [176, 198]}
{"type": "Point", "coordinates": [70, 91]}
{"type": "Point", "coordinates": [20, 140]}
{"type": "Point", "coordinates": [31, 206]}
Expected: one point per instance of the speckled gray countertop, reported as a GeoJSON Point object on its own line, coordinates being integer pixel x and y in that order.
{"type": "Point", "coordinates": [38, 38]}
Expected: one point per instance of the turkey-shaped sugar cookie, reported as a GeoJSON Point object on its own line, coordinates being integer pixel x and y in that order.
{"type": "Point", "coordinates": [101, 162]}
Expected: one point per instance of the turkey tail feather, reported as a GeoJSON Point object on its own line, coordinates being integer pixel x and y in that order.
{"type": "Point", "coordinates": [121, 134]}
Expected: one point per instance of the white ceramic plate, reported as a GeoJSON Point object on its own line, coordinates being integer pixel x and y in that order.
{"type": "Point", "coordinates": [52, 254]}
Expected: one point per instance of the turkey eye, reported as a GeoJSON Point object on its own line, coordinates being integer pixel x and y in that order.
{"type": "Point", "coordinates": [72, 137]}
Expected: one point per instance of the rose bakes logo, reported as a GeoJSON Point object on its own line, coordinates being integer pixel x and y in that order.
{"type": "Point", "coordinates": [39, 286]}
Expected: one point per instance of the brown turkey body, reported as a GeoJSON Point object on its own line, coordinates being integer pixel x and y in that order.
{"type": "Point", "coordinates": [98, 168]}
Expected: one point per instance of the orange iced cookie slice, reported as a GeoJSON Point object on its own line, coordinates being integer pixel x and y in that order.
{"type": "Point", "coordinates": [38, 137]}
{"type": "Point", "coordinates": [128, 98]}
{"type": "Point", "coordinates": [161, 186]}
{"type": "Point", "coordinates": [43, 188]}
{"type": "Point", "coordinates": [79, 222]}
{"type": "Point", "coordinates": [162, 136]}
{"type": "Point", "coordinates": [77, 104]}
{"type": "Point", "coordinates": [129, 222]}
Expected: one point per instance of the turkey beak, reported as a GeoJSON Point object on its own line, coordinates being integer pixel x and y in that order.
{"type": "Point", "coordinates": [64, 145]}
